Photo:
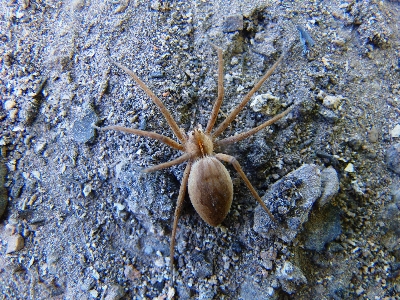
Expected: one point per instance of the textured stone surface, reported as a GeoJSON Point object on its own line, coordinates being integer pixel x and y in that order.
{"type": "Point", "coordinates": [393, 158]}
{"type": "Point", "coordinates": [290, 200]}
{"type": "Point", "coordinates": [329, 185]}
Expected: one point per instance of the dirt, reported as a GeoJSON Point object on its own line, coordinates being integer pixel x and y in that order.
{"type": "Point", "coordinates": [94, 226]}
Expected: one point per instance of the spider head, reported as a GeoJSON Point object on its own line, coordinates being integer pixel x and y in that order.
{"type": "Point", "coordinates": [199, 143]}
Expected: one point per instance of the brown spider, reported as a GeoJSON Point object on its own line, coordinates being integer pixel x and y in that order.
{"type": "Point", "coordinates": [209, 183]}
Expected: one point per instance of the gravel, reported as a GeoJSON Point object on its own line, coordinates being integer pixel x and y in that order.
{"type": "Point", "coordinates": [93, 225]}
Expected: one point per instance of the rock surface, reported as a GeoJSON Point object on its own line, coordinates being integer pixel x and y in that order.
{"type": "Point", "coordinates": [76, 246]}
{"type": "Point", "coordinates": [290, 200]}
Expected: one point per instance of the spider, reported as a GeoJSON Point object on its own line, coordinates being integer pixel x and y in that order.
{"type": "Point", "coordinates": [207, 180]}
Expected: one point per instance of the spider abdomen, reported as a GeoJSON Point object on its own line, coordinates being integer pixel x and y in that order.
{"type": "Point", "coordinates": [210, 189]}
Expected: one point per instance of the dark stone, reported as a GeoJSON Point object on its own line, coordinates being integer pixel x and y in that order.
{"type": "Point", "coordinates": [393, 158]}
{"type": "Point", "coordinates": [82, 131]}
{"type": "Point", "coordinates": [159, 285]}
{"type": "Point", "coordinates": [290, 200]}
{"type": "Point", "coordinates": [18, 183]}
{"type": "Point", "coordinates": [232, 23]}
{"type": "Point", "coordinates": [237, 247]}
{"type": "Point", "coordinates": [323, 227]}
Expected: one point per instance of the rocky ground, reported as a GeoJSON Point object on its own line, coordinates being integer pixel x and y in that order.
{"type": "Point", "coordinates": [83, 222]}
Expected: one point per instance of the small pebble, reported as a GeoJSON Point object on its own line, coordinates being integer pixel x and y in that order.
{"type": "Point", "coordinates": [115, 292]}
{"type": "Point", "coordinates": [82, 131]}
{"type": "Point", "coordinates": [349, 168]}
{"type": "Point", "coordinates": [119, 206]}
{"type": "Point", "coordinates": [171, 293]}
{"type": "Point", "coordinates": [234, 61]}
{"type": "Point", "coordinates": [39, 147]}
{"type": "Point", "coordinates": [94, 293]}
{"type": "Point", "coordinates": [87, 190]}
{"type": "Point", "coordinates": [103, 172]}
{"type": "Point", "coordinates": [332, 101]}
{"type": "Point", "coordinates": [393, 158]}
{"type": "Point", "coordinates": [132, 273]}
{"type": "Point", "coordinates": [290, 276]}
{"type": "Point", "coordinates": [373, 135]}
{"type": "Point", "coordinates": [395, 132]}
{"type": "Point", "coordinates": [329, 185]}
{"type": "Point", "coordinates": [266, 103]}
{"type": "Point", "coordinates": [359, 290]}
{"type": "Point", "coordinates": [13, 114]}
{"type": "Point", "coordinates": [14, 243]}
{"type": "Point", "coordinates": [36, 174]}
{"type": "Point", "coordinates": [9, 104]}
{"type": "Point", "coordinates": [95, 274]}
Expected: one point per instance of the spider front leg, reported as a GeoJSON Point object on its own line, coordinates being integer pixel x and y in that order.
{"type": "Point", "coordinates": [164, 139]}
{"type": "Point", "coordinates": [241, 136]}
{"type": "Point", "coordinates": [220, 98]}
{"type": "Point", "coordinates": [232, 160]}
{"type": "Point", "coordinates": [246, 99]}
{"type": "Point", "coordinates": [167, 115]}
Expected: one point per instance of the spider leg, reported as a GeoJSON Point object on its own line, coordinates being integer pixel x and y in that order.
{"type": "Point", "coordinates": [163, 139]}
{"type": "Point", "coordinates": [176, 161]}
{"type": "Point", "coordinates": [246, 99]}
{"type": "Point", "coordinates": [246, 134]}
{"type": "Point", "coordinates": [232, 160]}
{"type": "Point", "coordinates": [218, 101]}
{"type": "Point", "coordinates": [178, 210]}
{"type": "Point", "coordinates": [175, 128]}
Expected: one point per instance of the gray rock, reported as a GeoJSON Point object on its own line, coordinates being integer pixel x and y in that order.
{"type": "Point", "coordinates": [390, 216]}
{"type": "Point", "coordinates": [15, 243]}
{"type": "Point", "coordinates": [233, 23]}
{"type": "Point", "coordinates": [329, 115]}
{"type": "Point", "coordinates": [115, 292]}
{"type": "Point", "coordinates": [373, 134]}
{"type": "Point", "coordinates": [393, 158]}
{"type": "Point", "coordinates": [396, 196]}
{"type": "Point", "coordinates": [290, 277]}
{"type": "Point", "coordinates": [250, 290]}
{"type": "Point", "coordinates": [323, 227]}
{"type": "Point", "coordinates": [206, 293]}
{"type": "Point", "coordinates": [203, 265]}
{"type": "Point", "coordinates": [82, 131]}
{"type": "Point", "coordinates": [329, 185]}
{"type": "Point", "coordinates": [17, 185]}
{"type": "Point", "coordinates": [264, 43]}
{"type": "Point", "coordinates": [290, 200]}
{"type": "Point", "coordinates": [145, 196]}
{"type": "Point", "coordinates": [53, 260]}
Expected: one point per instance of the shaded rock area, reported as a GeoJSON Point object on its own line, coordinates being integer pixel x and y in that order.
{"type": "Point", "coordinates": [290, 201]}
{"type": "Point", "coordinates": [393, 158]}
{"type": "Point", "coordinates": [323, 227]}
{"type": "Point", "coordinates": [290, 277]}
